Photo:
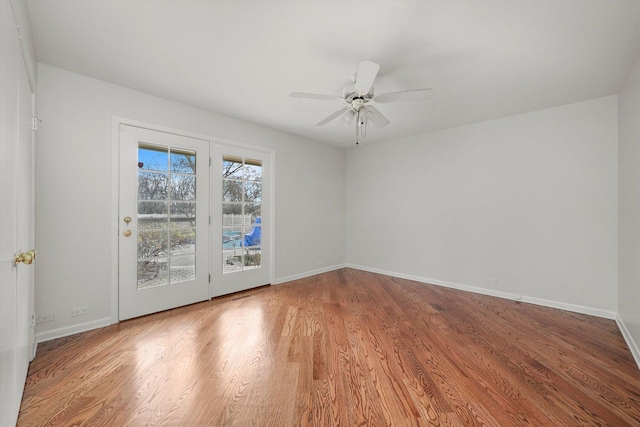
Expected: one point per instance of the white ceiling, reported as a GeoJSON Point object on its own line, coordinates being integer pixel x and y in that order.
{"type": "Point", "coordinates": [483, 59]}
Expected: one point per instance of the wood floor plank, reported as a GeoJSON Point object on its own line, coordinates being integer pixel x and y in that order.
{"type": "Point", "coordinates": [344, 348]}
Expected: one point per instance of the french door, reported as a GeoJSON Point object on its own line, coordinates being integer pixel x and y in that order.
{"type": "Point", "coordinates": [163, 221]}
{"type": "Point", "coordinates": [240, 218]}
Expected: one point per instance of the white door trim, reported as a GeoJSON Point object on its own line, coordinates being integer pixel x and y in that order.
{"type": "Point", "coordinates": [115, 184]}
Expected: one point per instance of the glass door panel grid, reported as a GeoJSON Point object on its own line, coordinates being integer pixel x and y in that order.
{"type": "Point", "coordinates": [241, 214]}
{"type": "Point", "coordinates": [166, 215]}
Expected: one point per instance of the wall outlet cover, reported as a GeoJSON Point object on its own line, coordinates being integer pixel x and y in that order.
{"type": "Point", "coordinates": [79, 311]}
{"type": "Point", "coordinates": [45, 317]}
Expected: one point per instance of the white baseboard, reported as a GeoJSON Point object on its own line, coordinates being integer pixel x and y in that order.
{"type": "Point", "coordinates": [633, 346]}
{"type": "Point", "coordinates": [506, 295]}
{"type": "Point", "coordinates": [591, 311]}
{"type": "Point", "coordinates": [308, 274]}
{"type": "Point", "coordinates": [70, 330]}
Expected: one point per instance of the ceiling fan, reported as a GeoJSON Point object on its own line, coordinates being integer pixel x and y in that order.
{"type": "Point", "coordinates": [359, 96]}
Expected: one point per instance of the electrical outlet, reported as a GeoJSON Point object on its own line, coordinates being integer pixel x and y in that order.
{"type": "Point", "coordinates": [79, 311]}
{"type": "Point", "coordinates": [492, 281]}
{"type": "Point", "coordinates": [46, 317]}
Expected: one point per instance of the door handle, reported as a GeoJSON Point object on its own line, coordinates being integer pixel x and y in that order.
{"type": "Point", "coordinates": [25, 257]}
{"type": "Point", "coordinates": [127, 233]}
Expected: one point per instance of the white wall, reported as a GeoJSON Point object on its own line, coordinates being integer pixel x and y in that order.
{"type": "Point", "coordinates": [530, 200]}
{"type": "Point", "coordinates": [629, 209]}
{"type": "Point", "coordinates": [74, 184]}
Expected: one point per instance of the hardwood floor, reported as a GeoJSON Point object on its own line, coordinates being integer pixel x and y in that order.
{"type": "Point", "coordinates": [345, 348]}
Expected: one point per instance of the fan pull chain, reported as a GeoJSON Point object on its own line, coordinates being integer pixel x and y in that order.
{"type": "Point", "coordinates": [357, 125]}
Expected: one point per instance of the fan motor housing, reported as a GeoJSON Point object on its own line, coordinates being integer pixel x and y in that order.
{"type": "Point", "coordinates": [355, 100]}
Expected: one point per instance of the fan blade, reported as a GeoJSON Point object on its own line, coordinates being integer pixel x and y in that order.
{"type": "Point", "coordinates": [332, 116]}
{"type": "Point", "coordinates": [316, 96]}
{"type": "Point", "coordinates": [367, 72]}
{"type": "Point", "coordinates": [371, 113]}
{"type": "Point", "coordinates": [404, 96]}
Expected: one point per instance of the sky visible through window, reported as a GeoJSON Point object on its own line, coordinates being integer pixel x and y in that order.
{"type": "Point", "coordinates": [150, 158]}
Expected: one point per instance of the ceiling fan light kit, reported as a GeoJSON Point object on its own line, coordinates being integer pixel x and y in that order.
{"type": "Point", "coordinates": [360, 95]}
{"type": "Point", "coordinates": [348, 116]}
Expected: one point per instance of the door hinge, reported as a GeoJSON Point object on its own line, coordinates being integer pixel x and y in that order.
{"type": "Point", "coordinates": [209, 161]}
{"type": "Point", "coordinates": [209, 219]}
{"type": "Point", "coordinates": [33, 319]}
{"type": "Point", "coordinates": [34, 123]}
{"type": "Point", "coordinates": [209, 278]}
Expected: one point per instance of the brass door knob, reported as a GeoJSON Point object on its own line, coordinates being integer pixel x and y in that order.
{"type": "Point", "coordinates": [127, 233]}
{"type": "Point", "coordinates": [25, 257]}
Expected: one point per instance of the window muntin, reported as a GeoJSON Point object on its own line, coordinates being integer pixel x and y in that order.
{"type": "Point", "coordinates": [241, 214]}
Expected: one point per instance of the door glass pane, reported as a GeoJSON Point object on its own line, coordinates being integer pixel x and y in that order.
{"type": "Point", "coordinates": [232, 261]}
{"type": "Point", "coordinates": [183, 187]}
{"type": "Point", "coordinates": [166, 215]}
{"type": "Point", "coordinates": [183, 161]}
{"type": "Point", "coordinates": [152, 243]}
{"type": "Point", "coordinates": [152, 273]}
{"type": "Point", "coordinates": [253, 210]}
{"type": "Point", "coordinates": [153, 158]}
{"type": "Point", "coordinates": [253, 170]}
{"type": "Point", "coordinates": [183, 268]}
{"type": "Point", "coordinates": [231, 190]}
{"type": "Point", "coordinates": [152, 185]}
{"type": "Point", "coordinates": [152, 215]}
{"type": "Point", "coordinates": [231, 237]}
{"type": "Point", "coordinates": [253, 192]}
{"type": "Point", "coordinates": [183, 241]}
{"type": "Point", "coordinates": [252, 258]}
{"type": "Point", "coordinates": [241, 214]}
{"type": "Point", "coordinates": [230, 209]}
{"type": "Point", "coordinates": [183, 215]}
{"type": "Point", "coordinates": [253, 235]}
{"type": "Point", "coordinates": [232, 167]}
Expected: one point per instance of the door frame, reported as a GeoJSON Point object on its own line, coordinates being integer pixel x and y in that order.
{"type": "Point", "coordinates": [115, 199]}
